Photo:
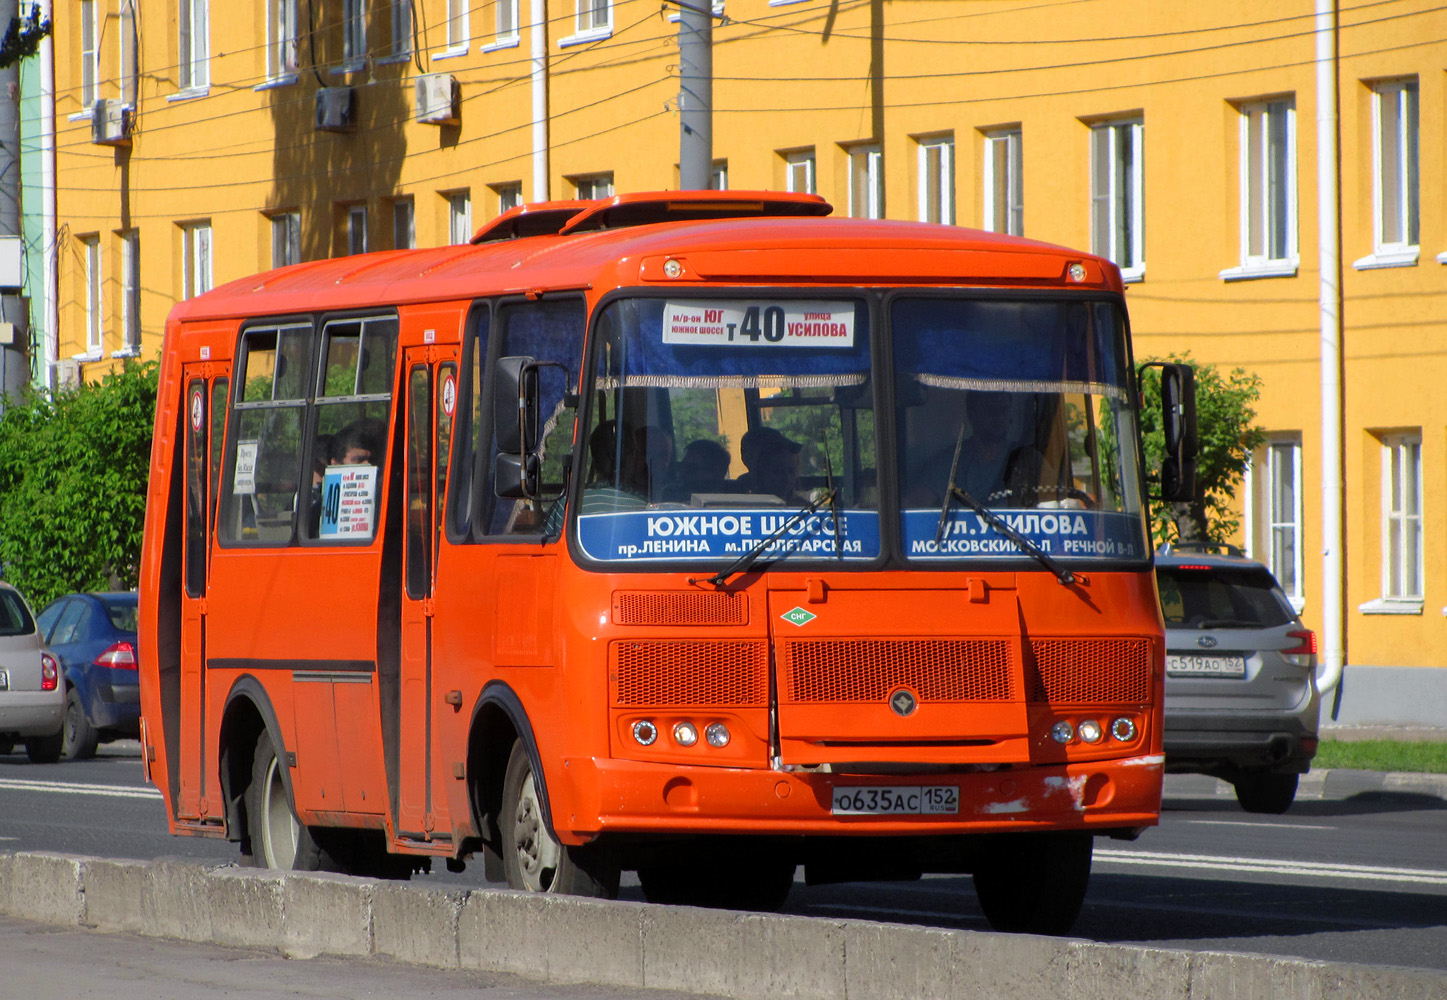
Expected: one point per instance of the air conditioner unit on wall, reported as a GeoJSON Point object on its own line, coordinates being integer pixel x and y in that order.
{"type": "Point", "coordinates": [110, 123]}
{"type": "Point", "coordinates": [439, 99]}
{"type": "Point", "coordinates": [335, 109]}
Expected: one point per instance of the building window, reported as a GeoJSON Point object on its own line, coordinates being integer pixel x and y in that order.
{"type": "Point", "coordinates": [799, 171]}
{"type": "Point", "coordinates": [89, 53]}
{"type": "Point", "coordinates": [194, 71]}
{"type": "Point", "coordinates": [404, 224]}
{"type": "Point", "coordinates": [126, 51]}
{"type": "Point", "coordinates": [509, 196]}
{"type": "Point", "coordinates": [937, 180]}
{"type": "Point", "coordinates": [195, 260]}
{"type": "Point", "coordinates": [131, 291]}
{"type": "Point", "coordinates": [1394, 172]}
{"type": "Point", "coordinates": [1117, 190]}
{"type": "Point", "coordinates": [1004, 183]}
{"type": "Point", "coordinates": [866, 182]}
{"type": "Point", "coordinates": [356, 229]}
{"type": "Point", "coordinates": [354, 35]}
{"type": "Point", "coordinates": [718, 175]}
{"type": "Point", "coordinates": [401, 18]}
{"type": "Point", "coordinates": [1268, 190]}
{"type": "Point", "coordinates": [594, 16]}
{"type": "Point", "coordinates": [1402, 517]}
{"type": "Point", "coordinates": [505, 21]}
{"type": "Point", "coordinates": [594, 185]}
{"type": "Point", "coordinates": [459, 217]}
{"type": "Point", "coordinates": [457, 34]}
{"type": "Point", "coordinates": [1278, 478]}
{"type": "Point", "coordinates": [281, 50]}
{"type": "Point", "coordinates": [285, 239]}
{"type": "Point", "coordinates": [93, 326]}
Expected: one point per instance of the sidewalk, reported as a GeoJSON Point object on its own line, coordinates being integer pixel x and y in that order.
{"type": "Point", "coordinates": [1353, 734]}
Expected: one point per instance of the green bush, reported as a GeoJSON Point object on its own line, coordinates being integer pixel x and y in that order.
{"type": "Point", "coordinates": [73, 484]}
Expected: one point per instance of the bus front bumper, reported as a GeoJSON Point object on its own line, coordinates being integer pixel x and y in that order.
{"type": "Point", "coordinates": [621, 796]}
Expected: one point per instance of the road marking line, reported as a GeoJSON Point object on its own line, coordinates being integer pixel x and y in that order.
{"type": "Point", "coordinates": [1258, 824]}
{"type": "Point", "coordinates": [70, 788]}
{"type": "Point", "coordinates": [1275, 866]}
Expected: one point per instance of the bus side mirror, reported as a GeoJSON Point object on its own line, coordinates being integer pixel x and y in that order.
{"type": "Point", "coordinates": [1178, 424]}
{"type": "Point", "coordinates": [515, 405]}
{"type": "Point", "coordinates": [516, 477]}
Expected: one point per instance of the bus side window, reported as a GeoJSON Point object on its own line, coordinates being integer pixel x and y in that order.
{"type": "Point", "coordinates": [549, 331]}
{"type": "Point", "coordinates": [260, 484]}
{"type": "Point", "coordinates": [471, 424]}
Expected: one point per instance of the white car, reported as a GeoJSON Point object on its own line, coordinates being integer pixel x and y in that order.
{"type": "Point", "coordinates": [32, 692]}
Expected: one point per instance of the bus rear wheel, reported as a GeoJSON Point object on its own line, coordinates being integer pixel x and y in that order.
{"type": "Point", "coordinates": [1034, 883]}
{"type": "Point", "coordinates": [532, 858]}
{"type": "Point", "coordinates": [278, 840]}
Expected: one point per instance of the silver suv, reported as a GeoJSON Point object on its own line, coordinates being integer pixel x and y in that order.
{"type": "Point", "coordinates": [1241, 698]}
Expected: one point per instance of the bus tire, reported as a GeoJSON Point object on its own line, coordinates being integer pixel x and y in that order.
{"type": "Point", "coordinates": [1034, 883]}
{"type": "Point", "coordinates": [1265, 792]}
{"type": "Point", "coordinates": [81, 739]}
{"type": "Point", "coordinates": [278, 840]}
{"type": "Point", "coordinates": [532, 858]}
{"type": "Point", "coordinates": [763, 886]}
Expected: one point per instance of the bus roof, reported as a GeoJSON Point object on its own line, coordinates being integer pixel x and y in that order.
{"type": "Point", "coordinates": [802, 250]}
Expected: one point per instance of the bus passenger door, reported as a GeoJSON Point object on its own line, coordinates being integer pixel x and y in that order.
{"type": "Point", "coordinates": [206, 386]}
{"type": "Point", "coordinates": [431, 399]}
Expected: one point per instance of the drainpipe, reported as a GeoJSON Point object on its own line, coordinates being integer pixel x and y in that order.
{"type": "Point", "coordinates": [1328, 145]}
{"type": "Point", "coordinates": [540, 100]}
{"type": "Point", "coordinates": [50, 319]}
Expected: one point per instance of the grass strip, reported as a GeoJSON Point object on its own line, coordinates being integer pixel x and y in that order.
{"type": "Point", "coordinates": [1382, 755]}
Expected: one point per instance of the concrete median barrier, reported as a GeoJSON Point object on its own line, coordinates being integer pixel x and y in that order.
{"type": "Point", "coordinates": [627, 944]}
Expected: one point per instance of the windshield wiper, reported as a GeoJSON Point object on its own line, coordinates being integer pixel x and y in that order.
{"type": "Point", "coordinates": [833, 495]}
{"type": "Point", "coordinates": [954, 492]}
{"type": "Point", "coordinates": [750, 557]}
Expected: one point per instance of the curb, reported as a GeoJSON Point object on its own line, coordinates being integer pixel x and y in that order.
{"type": "Point", "coordinates": [565, 939]}
{"type": "Point", "coordinates": [1329, 783]}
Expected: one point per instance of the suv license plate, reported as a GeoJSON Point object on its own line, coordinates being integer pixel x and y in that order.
{"type": "Point", "coordinates": [896, 800]}
{"type": "Point", "coordinates": [1179, 665]}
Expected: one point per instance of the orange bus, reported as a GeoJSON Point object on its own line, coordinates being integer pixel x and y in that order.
{"type": "Point", "coordinates": [691, 534]}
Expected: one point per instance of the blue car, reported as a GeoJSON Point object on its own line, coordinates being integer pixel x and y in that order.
{"type": "Point", "coordinates": [94, 637]}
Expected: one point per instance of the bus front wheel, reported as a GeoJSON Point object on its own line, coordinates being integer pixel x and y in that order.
{"type": "Point", "coordinates": [532, 858]}
{"type": "Point", "coordinates": [1034, 883]}
{"type": "Point", "coordinates": [277, 839]}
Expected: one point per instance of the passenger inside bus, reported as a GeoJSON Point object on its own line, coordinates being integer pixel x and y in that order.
{"type": "Point", "coordinates": [358, 443]}
{"type": "Point", "coordinates": [996, 465]}
{"type": "Point", "coordinates": [773, 463]}
{"type": "Point", "coordinates": [704, 468]}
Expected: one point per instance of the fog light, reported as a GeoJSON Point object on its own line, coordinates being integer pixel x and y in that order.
{"type": "Point", "coordinates": [684, 734]}
{"type": "Point", "coordinates": [672, 268]}
{"type": "Point", "coordinates": [1062, 732]}
{"type": "Point", "coordinates": [717, 735]}
{"type": "Point", "coordinates": [1090, 731]}
{"type": "Point", "coordinates": [1123, 729]}
{"type": "Point", "coordinates": [645, 732]}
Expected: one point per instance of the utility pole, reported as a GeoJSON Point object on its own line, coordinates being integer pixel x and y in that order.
{"type": "Point", "coordinates": [695, 95]}
{"type": "Point", "coordinates": [14, 311]}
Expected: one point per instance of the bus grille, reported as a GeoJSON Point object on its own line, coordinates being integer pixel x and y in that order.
{"type": "Point", "coordinates": [1071, 671]}
{"type": "Point", "coordinates": [863, 670]}
{"type": "Point", "coordinates": [674, 607]}
{"type": "Point", "coordinates": [662, 674]}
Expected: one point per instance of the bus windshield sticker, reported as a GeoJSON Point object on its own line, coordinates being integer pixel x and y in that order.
{"type": "Point", "coordinates": [349, 505]}
{"type": "Point", "coordinates": [1061, 533]}
{"type": "Point", "coordinates": [743, 324]}
{"type": "Point", "coordinates": [697, 537]}
{"type": "Point", "coordinates": [245, 479]}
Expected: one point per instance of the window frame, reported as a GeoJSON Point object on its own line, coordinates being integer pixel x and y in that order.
{"type": "Point", "coordinates": [285, 238]}
{"type": "Point", "coordinates": [356, 229]}
{"type": "Point", "coordinates": [1266, 519]}
{"type": "Point", "coordinates": [404, 222]}
{"type": "Point", "coordinates": [1260, 197]}
{"type": "Point", "coordinates": [1117, 194]}
{"type": "Point", "coordinates": [458, 35]}
{"type": "Point", "coordinates": [459, 217]}
{"type": "Point", "coordinates": [937, 177]}
{"type": "Point", "coordinates": [797, 162]}
{"type": "Point", "coordinates": [509, 196]}
{"type": "Point", "coordinates": [1402, 469]}
{"type": "Point", "coordinates": [197, 257]}
{"type": "Point", "coordinates": [1401, 209]}
{"type": "Point", "coordinates": [866, 180]}
{"type": "Point", "coordinates": [587, 186]}
{"type": "Point", "coordinates": [130, 292]}
{"type": "Point", "coordinates": [283, 63]}
{"type": "Point", "coordinates": [94, 304]}
{"type": "Point", "coordinates": [193, 73]}
{"type": "Point", "coordinates": [89, 53]}
{"type": "Point", "coordinates": [399, 45]}
{"type": "Point", "coordinates": [354, 36]}
{"type": "Point", "coordinates": [1004, 198]}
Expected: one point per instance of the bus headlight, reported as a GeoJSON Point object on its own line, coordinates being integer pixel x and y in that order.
{"type": "Point", "coordinates": [717, 735]}
{"type": "Point", "coordinates": [1123, 729]}
{"type": "Point", "coordinates": [1090, 731]}
{"type": "Point", "coordinates": [1062, 732]}
{"type": "Point", "coordinates": [645, 732]}
{"type": "Point", "coordinates": [684, 734]}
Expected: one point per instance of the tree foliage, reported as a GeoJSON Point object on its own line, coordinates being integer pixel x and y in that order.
{"type": "Point", "coordinates": [73, 484]}
{"type": "Point", "coordinates": [23, 36]}
{"type": "Point", "coordinates": [1224, 414]}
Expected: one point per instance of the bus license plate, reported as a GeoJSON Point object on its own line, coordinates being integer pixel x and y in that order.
{"type": "Point", "coordinates": [892, 800]}
{"type": "Point", "coordinates": [1180, 665]}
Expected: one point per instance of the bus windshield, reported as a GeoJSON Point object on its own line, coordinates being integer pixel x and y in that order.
{"type": "Point", "coordinates": [720, 425]}
{"type": "Point", "coordinates": [714, 422]}
{"type": "Point", "coordinates": [1027, 401]}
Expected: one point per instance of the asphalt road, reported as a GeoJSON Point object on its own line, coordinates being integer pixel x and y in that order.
{"type": "Point", "coordinates": [1354, 877]}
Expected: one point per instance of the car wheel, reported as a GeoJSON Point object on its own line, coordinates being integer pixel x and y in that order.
{"type": "Point", "coordinates": [762, 886]}
{"type": "Point", "coordinates": [278, 840]}
{"type": "Point", "coordinates": [532, 858]}
{"type": "Point", "coordinates": [44, 751]}
{"type": "Point", "coordinates": [1265, 792]}
{"type": "Point", "coordinates": [1034, 883]}
{"type": "Point", "coordinates": [79, 738]}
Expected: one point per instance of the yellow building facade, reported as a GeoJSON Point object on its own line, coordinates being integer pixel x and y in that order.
{"type": "Point", "coordinates": [199, 141]}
